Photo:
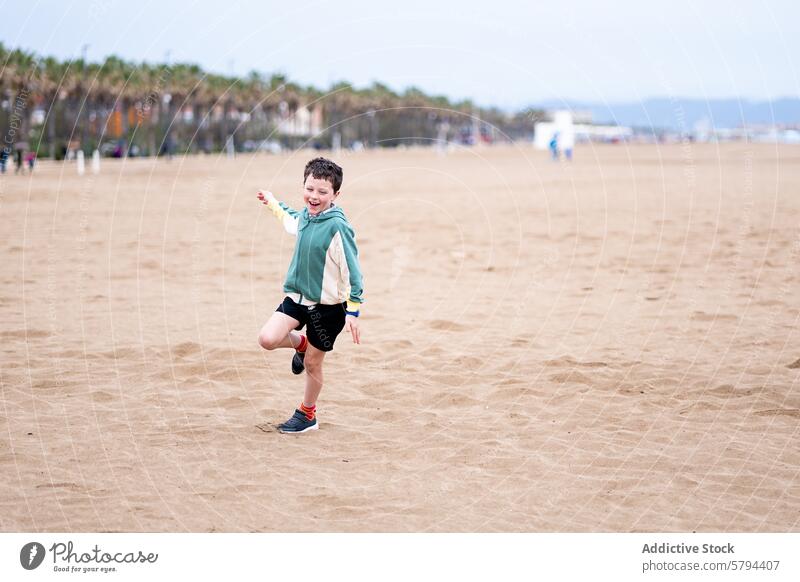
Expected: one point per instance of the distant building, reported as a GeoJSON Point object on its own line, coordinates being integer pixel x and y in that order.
{"type": "Point", "coordinates": [304, 122]}
{"type": "Point", "coordinates": [569, 132]}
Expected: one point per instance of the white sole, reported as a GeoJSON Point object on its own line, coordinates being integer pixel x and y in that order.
{"type": "Point", "coordinates": [313, 427]}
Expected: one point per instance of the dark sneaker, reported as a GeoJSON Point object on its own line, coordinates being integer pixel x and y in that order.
{"type": "Point", "coordinates": [298, 362]}
{"type": "Point", "coordinates": [298, 423]}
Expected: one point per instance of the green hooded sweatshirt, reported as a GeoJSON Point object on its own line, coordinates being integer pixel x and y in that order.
{"type": "Point", "coordinates": [324, 267]}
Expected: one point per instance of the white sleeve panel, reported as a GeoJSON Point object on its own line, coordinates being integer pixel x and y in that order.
{"type": "Point", "coordinates": [290, 223]}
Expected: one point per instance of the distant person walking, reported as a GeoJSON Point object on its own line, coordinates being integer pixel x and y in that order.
{"type": "Point", "coordinates": [19, 156]}
{"type": "Point", "coordinates": [30, 161]}
{"type": "Point", "coordinates": [553, 145]}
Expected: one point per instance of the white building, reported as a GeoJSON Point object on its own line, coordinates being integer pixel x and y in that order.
{"type": "Point", "coordinates": [302, 123]}
{"type": "Point", "coordinates": [569, 132]}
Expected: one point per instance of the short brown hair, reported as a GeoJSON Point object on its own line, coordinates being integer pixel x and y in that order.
{"type": "Point", "coordinates": [324, 169]}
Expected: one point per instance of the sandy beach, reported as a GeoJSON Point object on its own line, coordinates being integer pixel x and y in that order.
{"type": "Point", "coordinates": [611, 345]}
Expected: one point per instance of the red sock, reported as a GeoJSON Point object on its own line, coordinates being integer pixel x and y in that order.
{"type": "Point", "coordinates": [303, 344]}
{"type": "Point", "coordinates": [309, 412]}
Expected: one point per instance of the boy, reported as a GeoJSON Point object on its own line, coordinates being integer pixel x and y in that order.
{"type": "Point", "coordinates": [323, 286]}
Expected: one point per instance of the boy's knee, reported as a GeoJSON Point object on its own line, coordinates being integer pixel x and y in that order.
{"type": "Point", "coordinates": [312, 364]}
{"type": "Point", "coordinates": [267, 342]}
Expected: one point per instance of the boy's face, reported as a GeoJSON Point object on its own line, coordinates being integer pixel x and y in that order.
{"type": "Point", "coordinates": [318, 194]}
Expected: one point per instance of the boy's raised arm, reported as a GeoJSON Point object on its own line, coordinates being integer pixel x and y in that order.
{"type": "Point", "coordinates": [287, 216]}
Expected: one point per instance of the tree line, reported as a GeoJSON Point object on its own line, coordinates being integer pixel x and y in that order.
{"type": "Point", "coordinates": [127, 108]}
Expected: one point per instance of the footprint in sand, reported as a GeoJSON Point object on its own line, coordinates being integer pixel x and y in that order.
{"type": "Point", "coordinates": [730, 391]}
{"type": "Point", "coordinates": [446, 325]}
{"type": "Point", "coordinates": [703, 316]}
{"type": "Point", "coordinates": [569, 362]}
{"type": "Point", "coordinates": [571, 378]}
{"type": "Point", "coordinates": [186, 349]}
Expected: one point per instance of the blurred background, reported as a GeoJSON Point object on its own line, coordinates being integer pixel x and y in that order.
{"type": "Point", "coordinates": [146, 79]}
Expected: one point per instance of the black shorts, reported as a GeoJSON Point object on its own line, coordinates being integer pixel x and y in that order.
{"type": "Point", "coordinates": [324, 322]}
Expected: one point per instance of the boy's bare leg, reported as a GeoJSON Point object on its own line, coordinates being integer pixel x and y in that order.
{"type": "Point", "coordinates": [313, 363]}
{"type": "Point", "coordinates": [278, 332]}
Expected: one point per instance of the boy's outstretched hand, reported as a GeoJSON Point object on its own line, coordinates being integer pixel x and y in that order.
{"type": "Point", "coordinates": [266, 197]}
{"type": "Point", "coordinates": [351, 325]}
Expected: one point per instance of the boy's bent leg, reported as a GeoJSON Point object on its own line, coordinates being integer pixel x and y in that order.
{"type": "Point", "coordinates": [277, 332]}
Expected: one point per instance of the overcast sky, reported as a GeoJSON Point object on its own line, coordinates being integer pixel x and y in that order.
{"type": "Point", "coordinates": [495, 52]}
